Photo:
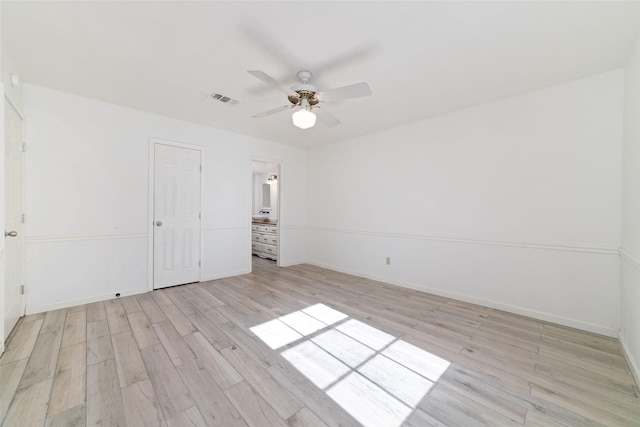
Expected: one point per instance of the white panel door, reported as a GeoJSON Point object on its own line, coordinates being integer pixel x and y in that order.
{"type": "Point", "coordinates": [176, 239]}
{"type": "Point", "coordinates": [14, 235]}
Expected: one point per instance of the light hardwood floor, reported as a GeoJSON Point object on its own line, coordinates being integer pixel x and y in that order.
{"type": "Point", "coordinates": [305, 346]}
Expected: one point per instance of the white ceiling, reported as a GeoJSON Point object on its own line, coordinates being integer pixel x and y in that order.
{"type": "Point", "coordinates": [420, 58]}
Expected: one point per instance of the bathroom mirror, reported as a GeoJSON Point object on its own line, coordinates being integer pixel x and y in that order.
{"type": "Point", "coordinates": [266, 196]}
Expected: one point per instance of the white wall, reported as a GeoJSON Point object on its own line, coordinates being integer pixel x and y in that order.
{"type": "Point", "coordinates": [514, 204]}
{"type": "Point", "coordinates": [87, 197]}
{"type": "Point", "coordinates": [630, 248]}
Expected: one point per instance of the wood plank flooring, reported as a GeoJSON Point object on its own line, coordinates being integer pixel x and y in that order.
{"type": "Point", "coordinates": [306, 346]}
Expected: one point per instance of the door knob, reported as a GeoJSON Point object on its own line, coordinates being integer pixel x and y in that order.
{"type": "Point", "coordinates": [10, 233]}
{"type": "Point", "coordinates": [159, 223]}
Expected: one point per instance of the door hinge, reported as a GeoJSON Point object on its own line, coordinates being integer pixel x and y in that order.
{"type": "Point", "coordinates": [199, 263]}
{"type": "Point", "coordinates": [200, 215]}
{"type": "Point", "coordinates": [21, 289]}
{"type": "Point", "coordinates": [23, 218]}
{"type": "Point", "coordinates": [23, 147]}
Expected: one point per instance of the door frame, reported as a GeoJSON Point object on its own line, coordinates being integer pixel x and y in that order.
{"type": "Point", "coordinates": [22, 237]}
{"type": "Point", "coordinates": [279, 204]}
{"type": "Point", "coordinates": [150, 218]}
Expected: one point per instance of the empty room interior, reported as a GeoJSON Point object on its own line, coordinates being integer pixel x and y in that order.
{"type": "Point", "coordinates": [350, 213]}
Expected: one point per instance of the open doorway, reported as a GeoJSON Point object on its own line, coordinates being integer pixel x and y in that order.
{"type": "Point", "coordinates": [265, 210]}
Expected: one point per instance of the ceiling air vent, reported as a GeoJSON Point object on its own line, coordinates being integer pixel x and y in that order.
{"type": "Point", "coordinates": [223, 98]}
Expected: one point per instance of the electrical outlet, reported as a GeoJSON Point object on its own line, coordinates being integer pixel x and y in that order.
{"type": "Point", "coordinates": [388, 260]}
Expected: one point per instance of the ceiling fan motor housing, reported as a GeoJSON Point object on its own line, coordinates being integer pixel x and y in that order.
{"type": "Point", "coordinates": [304, 93]}
{"type": "Point", "coordinates": [304, 89]}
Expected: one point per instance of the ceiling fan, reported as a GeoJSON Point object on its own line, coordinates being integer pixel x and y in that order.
{"type": "Point", "coordinates": [306, 98]}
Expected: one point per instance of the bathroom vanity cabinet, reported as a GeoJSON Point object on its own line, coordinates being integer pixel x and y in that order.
{"type": "Point", "coordinates": [264, 240]}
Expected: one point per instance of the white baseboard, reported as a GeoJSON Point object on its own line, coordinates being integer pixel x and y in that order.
{"type": "Point", "coordinates": [80, 301]}
{"type": "Point", "coordinates": [104, 297]}
{"type": "Point", "coordinates": [225, 275]}
{"type": "Point", "coordinates": [294, 262]}
{"type": "Point", "coordinates": [547, 317]}
{"type": "Point", "coordinates": [633, 362]}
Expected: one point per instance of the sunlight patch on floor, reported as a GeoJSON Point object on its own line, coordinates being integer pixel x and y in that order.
{"type": "Point", "coordinates": [302, 322]}
{"type": "Point", "coordinates": [275, 333]}
{"type": "Point", "coordinates": [376, 377]}
{"type": "Point", "coordinates": [346, 349]}
{"type": "Point", "coordinates": [316, 364]}
{"type": "Point", "coordinates": [368, 403]}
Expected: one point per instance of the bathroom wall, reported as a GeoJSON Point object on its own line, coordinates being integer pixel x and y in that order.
{"type": "Point", "coordinates": [258, 180]}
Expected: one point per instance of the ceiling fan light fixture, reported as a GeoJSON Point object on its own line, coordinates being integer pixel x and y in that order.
{"type": "Point", "coordinates": [306, 96]}
{"type": "Point", "coordinates": [304, 119]}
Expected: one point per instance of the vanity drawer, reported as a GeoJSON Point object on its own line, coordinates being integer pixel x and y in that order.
{"type": "Point", "coordinates": [269, 249]}
{"type": "Point", "coordinates": [263, 228]}
{"type": "Point", "coordinates": [256, 247]}
{"type": "Point", "coordinates": [270, 239]}
{"type": "Point", "coordinates": [254, 227]}
{"type": "Point", "coordinates": [273, 229]}
{"type": "Point", "coordinates": [256, 237]}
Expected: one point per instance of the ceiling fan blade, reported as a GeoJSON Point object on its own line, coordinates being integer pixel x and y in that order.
{"type": "Point", "coordinates": [268, 42]}
{"type": "Point", "coordinates": [326, 118]}
{"type": "Point", "coordinates": [352, 91]}
{"type": "Point", "coordinates": [272, 111]}
{"type": "Point", "coordinates": [351, 56]}
{"type": "Point", "coordinates": [273, 82]}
